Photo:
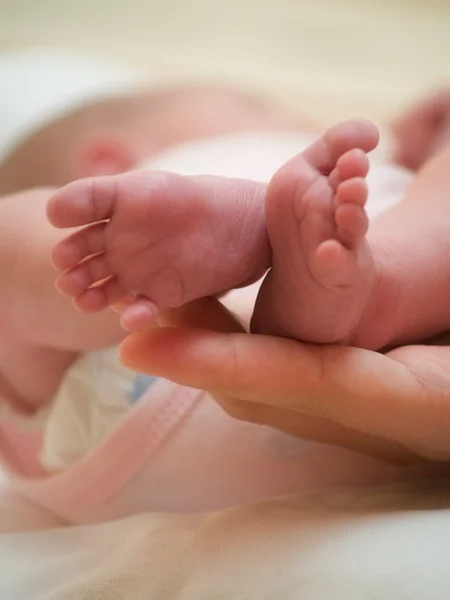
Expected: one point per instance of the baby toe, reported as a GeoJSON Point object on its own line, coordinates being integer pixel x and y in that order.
{"type": "Point", "coordinates": [86, 274]}
{"type": "Point", "coordinates": [353, 163]}
{"type": "Point", "coordinates": [139, 315]}
{"type": "Point", "coordinates": [78, 246]}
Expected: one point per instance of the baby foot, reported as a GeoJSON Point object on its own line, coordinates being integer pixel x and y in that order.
{"type": "Point", "coordinates": [322, 268]}
{"type": "Point", "coordinates": [161, 237]}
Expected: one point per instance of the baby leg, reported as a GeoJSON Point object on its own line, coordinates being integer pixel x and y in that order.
{"type": "Point", "coordinates": [423, 130]}
{"type": "Point", "coordinates": [411, 243]}
{"type": "Point", "coordinates": [40, 333]}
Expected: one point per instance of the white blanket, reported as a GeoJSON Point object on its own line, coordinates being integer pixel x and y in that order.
{"type": "Point", "coordinates": [391, 543]}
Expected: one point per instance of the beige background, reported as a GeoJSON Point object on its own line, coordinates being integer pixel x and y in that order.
{"type": "Point", "coordinates": [331, 57]}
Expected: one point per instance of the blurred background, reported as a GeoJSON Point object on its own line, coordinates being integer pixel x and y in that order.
{"type": "Point", "coordinates": [330, 58]}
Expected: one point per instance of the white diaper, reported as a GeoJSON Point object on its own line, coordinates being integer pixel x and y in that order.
{"type": "Point", "coordinates": [37, 87]}
{"type": "Point", "coordinates": [92, 399]}
{"type": "Point", "coordinates": [97, 390]}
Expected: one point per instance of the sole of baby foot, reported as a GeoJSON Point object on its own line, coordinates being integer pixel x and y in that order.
{"type": "Point", "coordinates": [322, 267]}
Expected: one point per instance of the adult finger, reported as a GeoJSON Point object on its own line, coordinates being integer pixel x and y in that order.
{"type": "Point", "coordinates": [358, 389]}
{"type": "Point", "coordinates": [208, 313]}
{"type": "Point", "coordinates": [317, 430]}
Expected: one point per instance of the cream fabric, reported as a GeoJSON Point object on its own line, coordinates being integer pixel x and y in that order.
{"type": "Point", "coordinates": [331, 59]}
{"type": "Point", "coordinates": [391, 543]}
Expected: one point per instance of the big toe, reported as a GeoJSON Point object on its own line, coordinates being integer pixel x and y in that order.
{"type": "Point", "coordinates": [336, 141]}
{"type": "Point", "coordinates": [82, 202]}
{"type": "Point", "coordinates": [340, 139]}
{"type": "Point", "coordinates": [323, 155]}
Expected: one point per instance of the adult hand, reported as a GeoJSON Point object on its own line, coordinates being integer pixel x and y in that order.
{"type": "Point", "coordinates": [394, 406]}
